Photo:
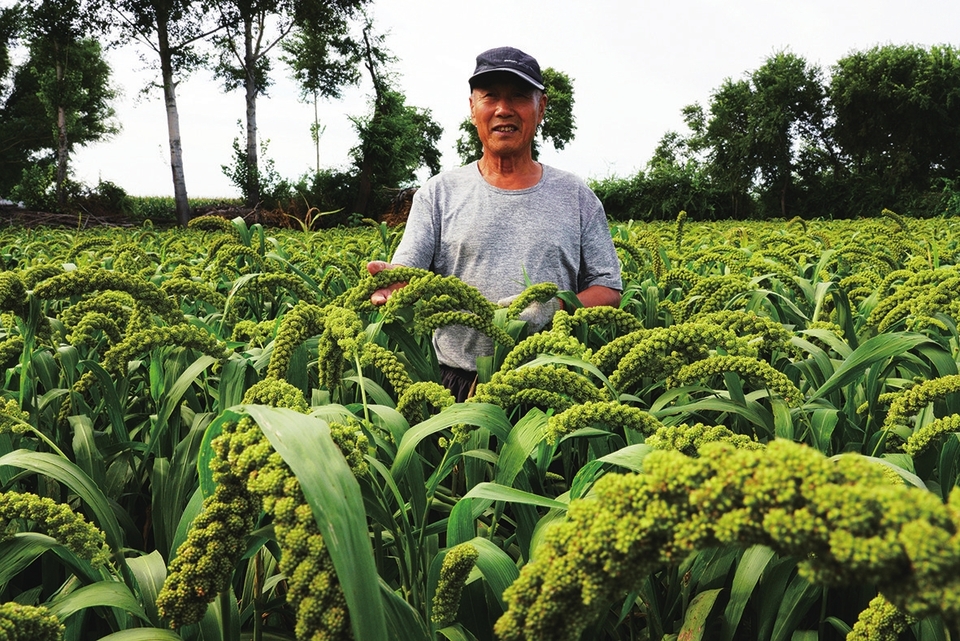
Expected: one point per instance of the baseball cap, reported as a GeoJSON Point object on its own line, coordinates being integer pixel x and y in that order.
{"type": "Point", "coordinates": [511, 60]}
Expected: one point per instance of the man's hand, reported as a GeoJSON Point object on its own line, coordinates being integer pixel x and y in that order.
{"type": "Point", "coordinates": [536, 314]}
{"type": "Point", "coordinates": [380, 296]}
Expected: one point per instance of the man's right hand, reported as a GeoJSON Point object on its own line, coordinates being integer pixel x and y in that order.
{"type": "Point", "coordinates": [380, 296]}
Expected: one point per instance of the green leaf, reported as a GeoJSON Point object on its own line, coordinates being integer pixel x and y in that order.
{"type": "Point", "coordinates": [873, 350]}
{"type": "Point", "coordinates": [499, 570]}
{"type": "Point", "coordinates": [695, 620]}
{"type": "Point", "coordinates": [629, 457]}
{"type": "Point", "coordinates": [511, 495]}
{"type": "Point", "coordinates": [150, 571]}
{"type": "Point", "coordinates": [524, 438]}
{"type": "Point", "coordinates": [111, 400]}
{"type": "Point", "coordinates": [335, 498]}
{"type": "Point", "coordinates": [481, 414]}
{"type": "Point", "coordinates": [752, 564]}
{"type": "Point", "coordinates": [797, 600]}
{"type": "Point", "coordinates": [19, 551]}
{"type": "Point", "coordinates": [104, 593]}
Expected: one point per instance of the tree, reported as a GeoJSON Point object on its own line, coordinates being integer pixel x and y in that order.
{"type": "Point", "coordinates": [10, 18]}
{"type": "Point", "coordinates": [73, 79]}
{"type": "Point", "coordinates": [397, 139]}
{"type": "Point", "coordinates": [757, 129]}
{"type": "Point", "coordinates": [558, 124]}
{"type": "Point", "coordinates": [897, 111]}
{"type": "Point", "coordinates": [61, 94]}
{"type": "Point", "coordinates": [171, 29]}
{"type": "Point", "coordinates": [324, 59]}
{"type": "Point", "coordinates": [251, 30]}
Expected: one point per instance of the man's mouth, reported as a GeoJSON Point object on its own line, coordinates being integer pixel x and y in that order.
{"type": "Point", "coordinates": [505, 128]}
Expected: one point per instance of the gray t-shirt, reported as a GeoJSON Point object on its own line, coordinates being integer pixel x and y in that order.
{"type": "Point", "coordinates": [498, 239]}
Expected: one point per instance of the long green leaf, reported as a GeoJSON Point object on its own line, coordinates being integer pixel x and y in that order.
{"type": "Point", "coordinates": [19, 551]}
{"type": "Point", "coordinates": [873, 350]}
{"type": "Point", "coordinates": [524, 438]}
{"type": "Point", "coordinates": [752, 564]}
{"type": "Point", "coordinates": [104, 593]}
{"type": "Point", "coordinates": [629, 457]}
{"type": "Point", "coordinates": [499, 570]}
{"type": "Point", "coordinates": [695, 620]}
{"type": "Point", "coordinates": [150, 571]}
{"type": "Point", "coordinates": [335, 498]}
{"type": "Point", "coordinates": [511, 495]}
{"type": "Point", "coordinates": [797, 600]}
{"type": "Point", "coordinates": [483, 414]}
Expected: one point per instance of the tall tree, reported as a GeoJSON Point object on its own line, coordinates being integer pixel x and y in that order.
{"type": "Point", "coordinates": [898, 115]}
{"type": "Point", "coordinates": [558, 126]}
{"type": "Point", "coordinates": [171, 29]}
{"type": "Point", "coordinates": [252, 29]}
{"type": "Point", "coordinates": [324, 59]}
{"type": "Point", "coordinates": [758, 127]}
{"type": "Point", "coordinates": [72, 78]}
{"type": "Point", "coordinates": [397, 139]}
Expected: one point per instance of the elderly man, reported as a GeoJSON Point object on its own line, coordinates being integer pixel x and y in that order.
{"type": "Point", "coordinates": [506, 219]}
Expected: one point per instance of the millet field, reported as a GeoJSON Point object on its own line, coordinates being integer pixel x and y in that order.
{"type": "Point", "coordinates": [210, 434]}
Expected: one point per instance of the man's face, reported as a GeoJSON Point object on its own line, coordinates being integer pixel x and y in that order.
{"type": "Point", "coordinates": [506, 111]}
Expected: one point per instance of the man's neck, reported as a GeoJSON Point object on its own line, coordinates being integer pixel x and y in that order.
{"type": "Point", "coordinates": [510, 173]}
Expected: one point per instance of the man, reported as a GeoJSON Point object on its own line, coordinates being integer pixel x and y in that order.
{"type": "Point", "coordinates": [506, 219]}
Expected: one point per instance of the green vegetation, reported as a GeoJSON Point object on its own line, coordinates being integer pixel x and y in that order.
{"type": "Point", "coordinates": [760, 443]}
{"type": "Point", "coordinates": [878, 129]}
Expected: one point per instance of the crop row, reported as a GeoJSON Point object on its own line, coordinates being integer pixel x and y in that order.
{"type": "Point", "coordinates": [212, 434]}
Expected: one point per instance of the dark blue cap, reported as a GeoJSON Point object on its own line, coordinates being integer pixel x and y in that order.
{"type": "Point", "coordinates": [511, 60]}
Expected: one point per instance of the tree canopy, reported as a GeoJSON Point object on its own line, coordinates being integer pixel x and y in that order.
{"type": "Point", "coordinates": [880, 129]}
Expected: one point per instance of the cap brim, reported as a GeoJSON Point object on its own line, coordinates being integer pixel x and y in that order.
{"type": "Point", "coordinates": [527, 78]}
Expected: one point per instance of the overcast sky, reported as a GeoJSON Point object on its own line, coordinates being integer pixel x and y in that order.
{"type": "Point", "coordinates": [635, 65]}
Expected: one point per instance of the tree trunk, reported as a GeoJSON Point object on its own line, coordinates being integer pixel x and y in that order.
{"type": "Point", "coordinates": [366, 165]}
{"type": "Point", "coordinates": [61, 144]}
{"type": "Point", "coordinates": [173, 124]}
{"type": "Point", "coordinates": [252, 194]}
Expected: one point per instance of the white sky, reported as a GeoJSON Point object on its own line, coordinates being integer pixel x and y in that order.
{"type": "Point", "coordinates": [635, 65]}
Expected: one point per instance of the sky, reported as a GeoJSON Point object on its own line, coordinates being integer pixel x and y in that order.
{"type": "Point", "coordinates": [634, 66]}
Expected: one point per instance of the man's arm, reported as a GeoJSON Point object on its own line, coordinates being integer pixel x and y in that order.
{"type": "Point", "coordinates": [597, 295]}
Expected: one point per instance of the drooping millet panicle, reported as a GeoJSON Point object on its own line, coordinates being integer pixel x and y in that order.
{"type": "Point", "coordinates": [342, 339]}
{"type": "Point", "coordinates": [57, 520]}
{"type": "Point", "coordinates": [913, 399]}
{"type": "Point", "coordinates": [20, 622]}
{"type": "Point", "coordinates": [613, 414]}
{"type": "Point", "coordinates": [387, 363]}
{"type": "Point", "coordinates": [116, 358]}
{"type": "Point", "coordinates": [414, 396]}
{"type": "Point", "coordinates": [688, 439]}
{"type": "Point", "coordinates": [146, 295]}
{"type": "Point", "coordinates": [881, 621]}
{"type": "Point", "coordinates": [92, 323]}
{"type": "Point", "coordinates": [13, 293]}
{"type": "Point", "coordinates": [508, 388]}
{"type": "Point", "coordinates": [454, 571]}
{"type": "Point", "coordinates": [539, 293]}
{"type": "Point", "coordinates": [663, 351]}
{"type": "Point", "coordinates": [298, 324]}
{"type": "Point", "coordinates": [841, 515]}
{"type": "Point", "coordinates": [116, 305]}
{"type": "Point", "coordinates": [195, 290]}
{"type": "Point", "coordinates": [542, 343]}
{"type": "Point", "coordinates": [752, 369]}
